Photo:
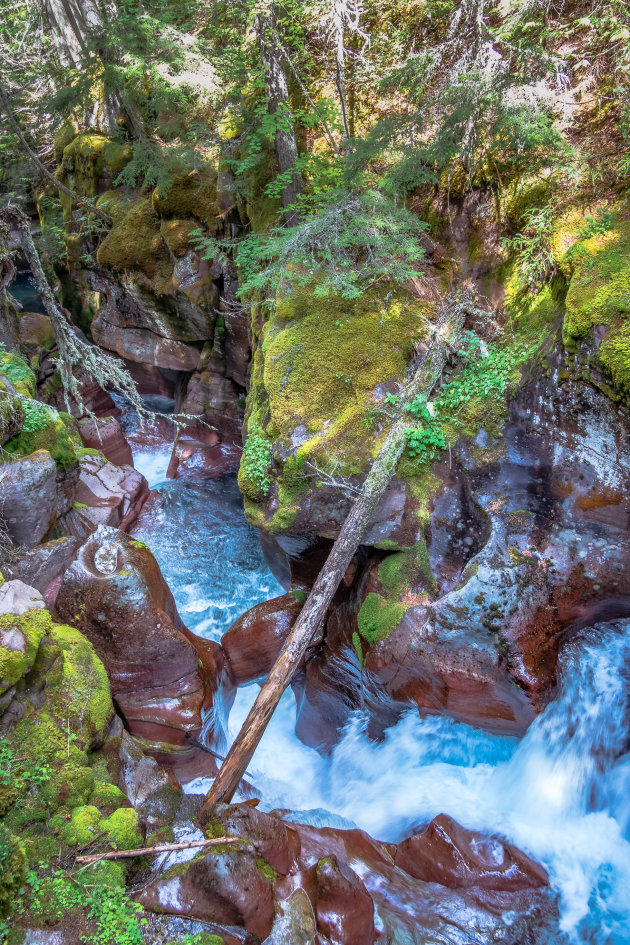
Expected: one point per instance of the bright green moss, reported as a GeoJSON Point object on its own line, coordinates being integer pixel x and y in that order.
{"type": "Point", "coordinates": [54, 438]}
{"type": "Point", "coordinates": [107, 796]}
{"type": "Point", "coordinates": [21, 636]}
{"type": "Point", "coordinates": [18, 373]}
{"type": "Point", "coordinates": [599, 295]}
{"type": "Point", "coordinates": [266, 869]}
{"type": "Point", "coordinates": [534, 314]}
{"type": "Point", "coordinates": [85, 824]}
{"type": "Point", "coordinates": [378, 618]}
{"type": "Point", "coordinates": [122, 829]}
{"type": "Point", "coordinates": [83, 687]}
{"type": "Point", "coordinates": [399, 572]}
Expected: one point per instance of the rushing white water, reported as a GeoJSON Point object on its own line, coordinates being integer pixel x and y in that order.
{"type": "Point", "coordinates": [152, 463]}
{"type": "Point", "coordinates": [562, 793]}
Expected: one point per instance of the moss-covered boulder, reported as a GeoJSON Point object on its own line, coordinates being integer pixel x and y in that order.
{"type": "Point", "coordinates": [190, 194]}
{"type": "Point", "coordinates": [46, 429]}
{"type": "Point", "coordinates": [20, 638]}
{"type": "Point", "coordinates": [16, 370]}
{"type": "Point", "coordinates": [321, 372]}
{"type": "Point", "coordinates": [598, 298]}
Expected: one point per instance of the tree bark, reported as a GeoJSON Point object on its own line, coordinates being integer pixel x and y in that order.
{"type": "Point", "coordinates": [278, 105]}
{"type": "Point", "coordinates": [316, 606]}
{"type": "Point", "coordinates": [80, 201]}
{"type": "Point", "coordinates": [337, 22]}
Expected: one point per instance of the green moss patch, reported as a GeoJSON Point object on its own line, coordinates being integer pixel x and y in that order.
{"type": "Point", "coordinates": [18, 373]}
{"type": "Point", "coordinates": [379, 618]}
{"type": "Point", "coordinates": [135, 242]}
{"type": "Point", "coordinates": [48, 432]}
{"type": "Point", "coordinates": [193, 194]}
{"type": "Point", "coordinates": [599, 295]}
{"type": "Point", "coordinates": [20, 639]}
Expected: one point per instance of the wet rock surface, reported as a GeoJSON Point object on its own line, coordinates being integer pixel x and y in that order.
{"type": "Point", "coordinates": [162, 676]}
{"type": "Point", "coordinates": [253, 642]}
{"type": "Point", "coordinates": [28, 494]}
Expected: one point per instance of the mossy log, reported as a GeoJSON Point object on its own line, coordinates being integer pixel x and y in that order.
{"type": "Point", "coordinates": [311, 618]}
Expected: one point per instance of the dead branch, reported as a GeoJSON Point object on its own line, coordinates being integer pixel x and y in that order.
{"type": "Point", "coordinates": [153, 851]}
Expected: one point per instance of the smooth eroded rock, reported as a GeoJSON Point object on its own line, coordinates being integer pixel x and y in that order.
{"type": "Point", "coordinates": [253, 642]}
{"type": "Point", "coordinates": [18, 598]}
{"type": "Point", "coordinates": [28, 497]}
{"type": "Point", "coordinates": [162, 676]}
{"type": "Point", "coordinates": [453, 856]}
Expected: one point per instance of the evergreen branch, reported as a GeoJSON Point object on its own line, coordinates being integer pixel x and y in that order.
{"type": "Point", "coordinates": [80, 201]}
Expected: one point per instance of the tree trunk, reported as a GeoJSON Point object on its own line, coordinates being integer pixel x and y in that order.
{"type": "Point", "coordinates": [314, 611]}
{"type": "Point", "coordinates": [72, 22]}
{"type": "Point", "coordinates": [278, 104]}
{"type": "Point", "coordinates": [337, 23]}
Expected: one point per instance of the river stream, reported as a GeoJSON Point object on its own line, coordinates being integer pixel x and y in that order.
{"type": "Point", "coordinates": [562, 793]}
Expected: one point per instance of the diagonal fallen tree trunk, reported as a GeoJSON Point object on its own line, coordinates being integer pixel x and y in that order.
{"type": "Point", "coordinates": [425, 377]}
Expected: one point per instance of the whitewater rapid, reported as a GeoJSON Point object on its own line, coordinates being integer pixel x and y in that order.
{"type": "Point", "coordinates": [562, 793]}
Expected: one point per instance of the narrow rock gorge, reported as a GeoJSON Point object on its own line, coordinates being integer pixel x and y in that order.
{"type": "Point", "coordinates": [232, 238]}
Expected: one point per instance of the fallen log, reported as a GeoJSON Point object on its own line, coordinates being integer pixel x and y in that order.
{"type": "Point", "coordinates": [427, 373]}
{"type": "Point", "coordinates": [152, 851]}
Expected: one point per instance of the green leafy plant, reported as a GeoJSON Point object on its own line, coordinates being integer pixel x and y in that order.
{"type": "Point", "coordinates": [535, 262]}
{"type": "Point", "coordinates": [36, 415]}
{"type": "Point", "coordinates": [257, 458]}
{"type": "Point", "coordinates": [116, 917]}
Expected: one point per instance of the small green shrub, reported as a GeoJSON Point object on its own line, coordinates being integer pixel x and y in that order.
{"type": "Point", "coordinates": [257, 459]}
{"type": "Point", "coordinates": [535, 261]}
{"type": "Point", "coordinates": [36, 416]}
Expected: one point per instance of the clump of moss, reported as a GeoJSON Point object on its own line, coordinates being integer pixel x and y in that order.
{"type": "Point", "coordinates": [21, 637]}
{"type": "Point", "coordinates": [122, 829]}
{"type": "Point", "coordinates": [266, 869]}
{"type": "Point", "coordinates": [135, 242]}
{"type": "Point", "coordinates": [398, 572]}
{"type": "Point", "coordinates": [378, 618]}
{"type": "Point", "coordinates": [84, 825]}
{"type": "Point", "coordinates": [82, 685]}
{"type": "Point", "coordinates": [18, 373]}
{"type": "Point", "coordinates": [64, 136]}
{"type": "Point", "coordinates": [87, 157]}
{"type": "Point", "coordinates": [51, 436]}
{"type": "Point", "coordinates": [192, 194]}
{"type": "Point", "coordinates": [12, 871]}
{"type": "Point", "coordinates": [176, 235]}
{"type": "Point", "coordinates": [599, 295]}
